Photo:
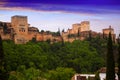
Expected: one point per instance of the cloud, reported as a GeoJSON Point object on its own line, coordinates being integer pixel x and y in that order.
{"type": "Point", "coordinates": [41, 8]}
{"type": "Point", "coordinates": [77, 9]}
{"type": "Point", "coordinates": [16, 9]}
{"type": "Point", "coordinates": [1, 15]}
{"type": "Point", "coordinates": [2, 3]}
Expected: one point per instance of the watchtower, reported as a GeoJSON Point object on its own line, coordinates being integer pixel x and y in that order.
{"type": "Point", "coordinates": [85, 26]}
{"type": "Point", "coordinates": [107, 31]}
{"type": "Point", "coordinates": [20, 26]}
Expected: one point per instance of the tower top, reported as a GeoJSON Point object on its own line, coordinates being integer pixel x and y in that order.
{"type": "Point", "coordinates": [19, 16]}
{"type": "Point", "coordinates": [85, 22]}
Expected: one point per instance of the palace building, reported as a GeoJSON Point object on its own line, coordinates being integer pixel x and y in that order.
{"type": "Point", "coordinates": [21, 32]}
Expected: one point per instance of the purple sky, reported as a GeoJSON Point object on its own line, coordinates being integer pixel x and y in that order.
{"type": "Point", "coordinates": [69, 2]}
{"type": "Point", "coordinates": [54, 14]}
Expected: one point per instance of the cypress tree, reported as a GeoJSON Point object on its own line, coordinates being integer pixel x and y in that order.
{"type": "Point", "coordinates": [110, 72]}
{"type": "Point", "coordinates": [119, 57]}
{"type": "Point", "coordinates": [3, 73]}
{"type": "Point", "coordinates": [1, 59]}
{"type": "Point", "coordinates": [103, 35]}
{"type": "Point", "coordinates": [58, 33]}
{"type": "Point", "coordinates": [78, 33]}
{"type": "Point", "coordinates": [1, 50]}
{"type": "Point", "coordinates": [90, 35]}
{"type": "Point", "coordinates": [63, 30]}
{"type": "Point", "coordinates": [62, 41]}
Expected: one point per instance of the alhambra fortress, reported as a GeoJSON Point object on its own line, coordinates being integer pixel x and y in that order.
{"type": "Point", "coordinates": [20, 32]}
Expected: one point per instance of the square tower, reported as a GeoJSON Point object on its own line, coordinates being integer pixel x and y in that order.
{"type": "Point", "coordinates": [85, 26]}
{"type": "Point", "coordinates": [20, 26]}
{"type": "Point", "coordinates": [75, 28]}
{"type": "Point", "coordinates": [107, 31]}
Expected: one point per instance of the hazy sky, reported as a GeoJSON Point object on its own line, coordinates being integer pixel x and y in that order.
{"type": "Point", "coordinates": [54, 14]}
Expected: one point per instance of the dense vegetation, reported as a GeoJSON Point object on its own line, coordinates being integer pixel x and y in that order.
{"type": "Point", "coordinates": [118, 57]}
{"type": "Point", "coordinates": [110, 72]}
{"type": "Point", "coordinates": [42, 60]}
{"type": "Point", "coordinates": [3, 71]}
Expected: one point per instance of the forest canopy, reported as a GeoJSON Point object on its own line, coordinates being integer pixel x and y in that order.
{"type": "Point", "coordinates": [56, 60]}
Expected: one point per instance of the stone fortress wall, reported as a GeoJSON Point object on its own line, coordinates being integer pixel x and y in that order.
{"type": "Point", "coordinates": [20, 31]}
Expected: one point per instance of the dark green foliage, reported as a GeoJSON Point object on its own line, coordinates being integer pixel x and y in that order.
{"type": "Point", "coordinates": [48, 41]}
{"type": "Point", "coordinates": [5, 28]}
{"type": "Point", "coordinates": [119, 57]}
{"type": "Point", "coordinates": [1, 24]}
{"type": "Point", "coordinates": [3, 73]}
{"type": "Point", "coordinates": [34, 40]}
{"type": "Point", "coordinates": [63, 43]}
{"type": "Point", "coordinates": [78, 33]}
{"type": "Point", "coordinates": [42, 31]}
{"type": "Point", "coordinates": [72, 36]}
{"type": "Point", "coordinates": [100, 45]}
{"type": "Point", "coordinates": [63, 30]}
{"type": "Point", "coordinates": [1, 60]}
{"type": "Point", "coordinates": [58, 32]}
{"type": "Point", "coordinates": [103, 35]}
{"type": "Point", "coordinates": [1, 52]}
{"type": "Point", "coordinates": [55, 33]}
{"type": "Point", "coordinates": [48, 32]}
{"type": "Point", "coordinates": [26, 74]}
{"type": "Point", "coordinates": [90, 35]}
{"type": "Point", "coordinates": [110, 73]}
{"type": "Point", "coordinates": [97, 77]}
{"type": "Point", "coordinates": [79, 56]}
{"type": "Point", "coordinates": [60, 74]}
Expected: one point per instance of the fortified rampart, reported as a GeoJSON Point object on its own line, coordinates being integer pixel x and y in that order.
{"type": "Point", "coordinates": [20, 31]}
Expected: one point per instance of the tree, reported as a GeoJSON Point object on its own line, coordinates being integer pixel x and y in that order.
{"type": "Point", "coordinates": [25, 74]}
{"type": "Point", "coordinates": [5, 28]}
{"type": "Point", "coordinates": [58, 33]}
{"type": "Point", "coordinates": [78, 55]}
{"type": "Point", "coordinates": [110, 73]}
{"type": "Point", "coordinates": [3, 75]}
{"type": "Point", "coordinates": [103, 35]}
{"type": "Point", "coordinates": [48, 41]}
{"type": "Point", "coordinates": [90, 35]}
{"type": "Point", "coordinates": [97, 77]}
{"type": "Point", "coordinates": [63, 30]}
{"type": "Point", "coordinates": [60, 74]}
{"type": "Point", "coordinates": [1, 25]}
{"type": "Point", "coordinates": [42, 31]}
{"type": "Point", "coordinates": [1, 59]}
{"type": "Point", "coordinates": [62, 41]}
{"type": "Point", "coordinates": [119, 57]}
{"type": "Point", "coordinates": [34, 39]}
{"type": "Point", "coordinates": [78, 33]}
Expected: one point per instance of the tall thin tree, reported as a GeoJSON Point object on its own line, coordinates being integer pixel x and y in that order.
{"type": "Point", "coordinates": [3, 73]}
{"type": "Point", "coordinates": [118, 57]}
{"type": "Point", "coordinates": [78, 32]}
{"type": "Point", "coordinates": [110, 72]}
{"type": "Point", "coordinates": [58, 32]}
{"type": "Point", "coordinates": [90, 35]}
{"type": "Point", "coordinates": [1, 50]}
{"type": "Point", "coordinates": [63, 30]}
{"type": "Point", "coordinates": [1, 60]}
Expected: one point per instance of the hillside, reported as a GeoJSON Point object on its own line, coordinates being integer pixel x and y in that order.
{"type": "Point", "coordinates": [47, 59]}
